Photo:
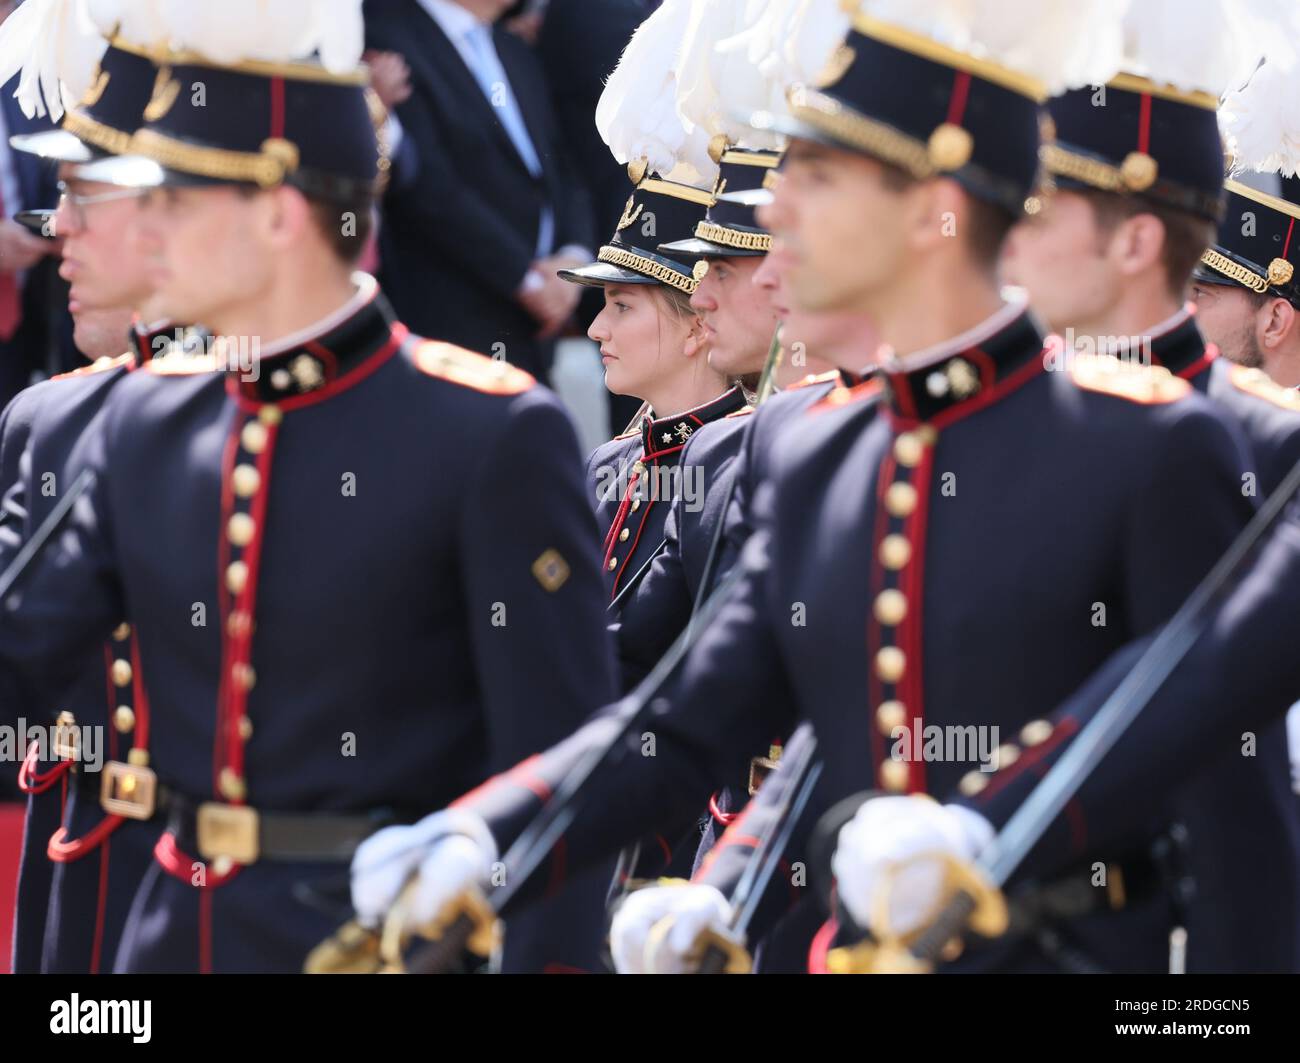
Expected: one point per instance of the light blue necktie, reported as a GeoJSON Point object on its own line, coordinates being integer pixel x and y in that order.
{"type": "Point", "coordinates": [491, 76]}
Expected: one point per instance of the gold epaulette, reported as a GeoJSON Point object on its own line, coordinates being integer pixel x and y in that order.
{"type": "Point", "coordinates": [842, 396]}
{"type": "Point", "coordinates": [176, 364]}
{"type": "Point", "coordinates": [99, 365]}
{"type": "Point", "coordinates": [744, 411]}
{"type": "Point", "coordinates": [446, 361]}
{"type": "Point", "coordinates": [1146, 384]}
{"type": "Point", "coordinates": [1258, 383]}
{"type": "Point", "coordinates": [815, 378]}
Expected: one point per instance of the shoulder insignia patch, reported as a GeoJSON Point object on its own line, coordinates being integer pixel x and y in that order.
{"type": "Point", "coordinates": [1145, 384]}
{"type": "Point", "coordinates": [744, 411]}
{"type": "Point", "coordinates": [99, 365]}
{"type": "Point", "coordinates": [815, 378]}
{"type": "Point", "coordinates": [471, 370]}
{"type": "Point", "coordinates": [177, 364]}
{"type": "Point", "coordinates": [1258, 383]}
{"type": "Point", "coordinates": [842, 396]}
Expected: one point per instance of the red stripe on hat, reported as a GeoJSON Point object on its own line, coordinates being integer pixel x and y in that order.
{"type": "Point", "coordinates": [960, 93]}
{"type": "Point", "coordinates": [277, 107]}
{"type": "Point", "coordinates": [1286, 244]}
{"type": "Point", "coordinates": [1144, 125]}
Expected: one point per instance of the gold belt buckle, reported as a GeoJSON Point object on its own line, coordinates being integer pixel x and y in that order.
{"type": "Point", "coordinates": [128, 790]}
{"type": "Point", "coordinates": [228, 830]}
{"type": "Point", "coordinates": [761, 767]}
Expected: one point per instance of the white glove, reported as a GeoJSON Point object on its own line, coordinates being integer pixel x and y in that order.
{"type": "Point", "coordinates": [691, 909]}
{"type": "Point", "coordinates": [451, 850]}
{"type": "Point", "coordinates": [893, 830]}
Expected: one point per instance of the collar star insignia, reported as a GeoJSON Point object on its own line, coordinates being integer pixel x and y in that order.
{"type": "Point", "coordinates": [306, 372]}
{"type": "Point", "coordinates": [668, 437]}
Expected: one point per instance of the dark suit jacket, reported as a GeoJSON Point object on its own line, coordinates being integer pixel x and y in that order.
{"type": "Point", "coordinates": [44, 338]}
{"type": "Point", "coordinates": [458, 239]}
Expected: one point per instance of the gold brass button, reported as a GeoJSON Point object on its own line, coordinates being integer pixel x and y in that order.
{"type": "Point", "coordinates": [245, 479]}
{"type": "Point", "coordinates": [123, 719]}
{"type": "Point", "coordinates": [890, 663]}
{"type": "Point", "coordinates": [894, 776]}
{"type": "Point", "coordinates": [900, 499]}
{"type": "Point", "coordinates": [638, 468]}
{"type": "Point", "coordinates": [222, 865]}
{"type": "Point", "coordinates": [889, 715]}
{"type": "Point", "coordinates": [243, 676]}
{"type": "Point", "coordinates": [636, 504]}
{"type": "Point", "coordinates": [927, 434]}
{"type": "Point", "coordinates": [121, 673]}
{"type": "Point", "coordinates": [908, 450]}
{"type": "Point", "coordinates": [973, 782]}
{"type": "Point", "coordinates": [622, 536]}
{"type": "Point", "coordinates": [231, 785]}
{"type": "Point", "coordinates": [270, 415]}
{"type": "Point", "coordinates": [1035, 733]}
{"type": "Point", "coordinates": [245, 728]}
{"type": "Point", "coordinates": [890, 607]}
{"type": "Point", "coordinates": [239, 624]}
{"type": "Point", "coordinates": [1007, 754]}
{"type": "Point", "coordinates": [253, 437]}
{"type": "Point", "coordinates": [613, 564]}
{"type": "Point", "coordinates": [240, 529]}
{"type": "Point", "coordinates": [895, 552]}
{"type": "Point", "coordinates": [236, 577]}
{"type": "Point", "coordinates": [122, 631]}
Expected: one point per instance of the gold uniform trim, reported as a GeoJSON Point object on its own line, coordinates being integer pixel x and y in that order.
{"type": "Point", "coordinates": [617, 256]}
{"type": "Point", "coordinates": [720, 234]}
{"type": "Point", "coordinates": [765, 159]}
{"type": "Point", "coordinates": [677, 191]}
{"type": "Point", "coordinates": [1133, 83]}
{"type": "Point", "coordinates": [1137, 173]}
{"type": "Point", "coordinates": [1263, 198]}
{"type": "Point", "coordinates": [160, 54]}
{"type": "Point", "coordinates": [1235, 271]}
{"type": "Point", "coordinates": [266, 168]}
{"type": "Point", "coordinates": [866, 134]}
{"type": "Point", "coordinates": [917, 44]}
{"type": "Point", "coordinates": [83, 127]}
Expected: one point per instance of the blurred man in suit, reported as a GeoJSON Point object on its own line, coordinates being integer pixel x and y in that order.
{"type": "Point", "coordinates": [471, 247]}
{"type": "Point", "coordinates": [35, 332]}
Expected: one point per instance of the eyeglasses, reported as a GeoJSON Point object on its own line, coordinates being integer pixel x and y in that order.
{"type": "Point", "coordinates": [77, 204]}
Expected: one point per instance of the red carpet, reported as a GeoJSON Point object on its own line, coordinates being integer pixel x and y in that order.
{"type": "Point", "coordinates": [11, 838]}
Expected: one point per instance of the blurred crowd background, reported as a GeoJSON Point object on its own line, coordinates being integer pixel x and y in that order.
{"type": "Point", "coordinates": [498, 177]}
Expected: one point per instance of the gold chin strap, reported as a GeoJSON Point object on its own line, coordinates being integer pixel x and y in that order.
{"type": "Point", "coordinates": [968, 900]}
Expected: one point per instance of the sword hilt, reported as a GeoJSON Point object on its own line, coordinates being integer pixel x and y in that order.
{"type": "Point", "coordinates": [721, 954]}
{"type": "Point", "coordinates": [466, 927]}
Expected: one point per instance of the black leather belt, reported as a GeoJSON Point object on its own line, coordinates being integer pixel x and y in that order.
{"type": "Point", "coordinates": [245, 835]}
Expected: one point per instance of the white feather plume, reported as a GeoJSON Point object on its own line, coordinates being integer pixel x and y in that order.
{"type": "Point", "coordinates": [716, 89]}
{"type": "Point", "coordinates": [1062, 45]}
{"type": "Point", "coordinates": [1197, 45]}
{"type": "Point", "coordinates": [49, 41]}
{"type": "Point", "coordinates": [637, 115]}
{"type": "Point", "coordinates": [1261, 122]}
{"type": "Point", "coordinates": [283, 31]}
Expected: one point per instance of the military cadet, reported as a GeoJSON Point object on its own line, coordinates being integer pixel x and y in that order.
{"type": "Point", "coordinates": [81, 864]}
{"type": "Point", "coordinates": [1105, 253]}
{"type": "Point", "coordinates": [1246, 290]}
{"type": "Point", "coordinates": [349, 637]}
{"type": "Point", "coordinates": [969, 528]}
{"type": "Point", "coordinates": [653, 346]}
